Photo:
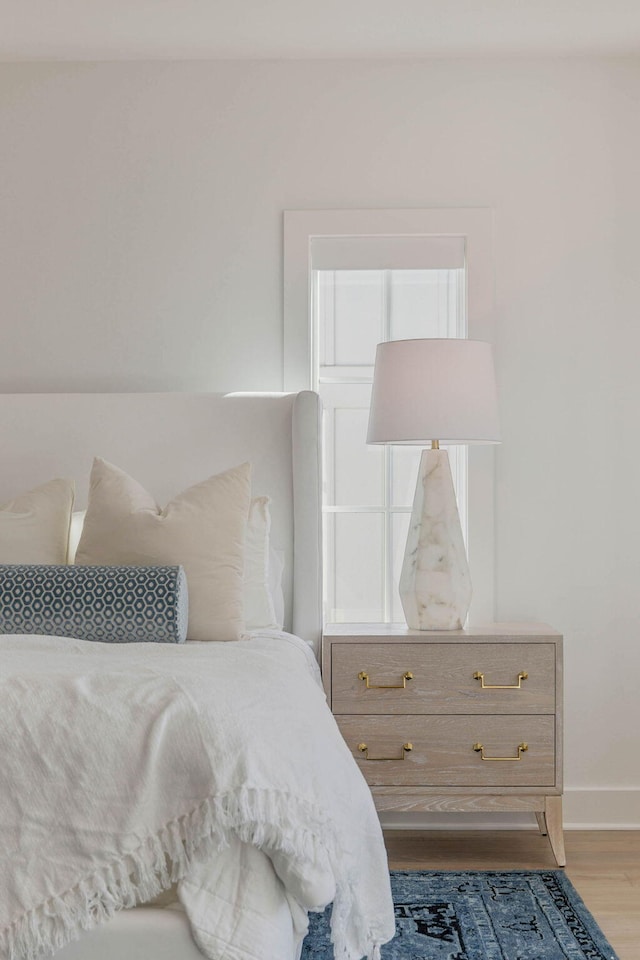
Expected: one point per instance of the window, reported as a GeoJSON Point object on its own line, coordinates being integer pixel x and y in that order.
{"type": "Point", "coordinates": [357, 289]}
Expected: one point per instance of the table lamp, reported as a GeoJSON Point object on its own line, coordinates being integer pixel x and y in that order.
{"type": "Point", "coordinates": [434, 391]}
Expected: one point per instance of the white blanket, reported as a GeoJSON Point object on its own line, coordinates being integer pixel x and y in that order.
{"type": "Point", "coordinates": [124, 768]}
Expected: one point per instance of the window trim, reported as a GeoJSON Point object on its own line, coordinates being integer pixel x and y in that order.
{"type": "Point", "coordinates": [476, 225]}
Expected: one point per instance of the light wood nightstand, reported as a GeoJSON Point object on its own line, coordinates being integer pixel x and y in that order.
{"type": "Point", "coordinates": [458, 720]}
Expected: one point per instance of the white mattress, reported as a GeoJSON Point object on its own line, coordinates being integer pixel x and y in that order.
{"type": "Point", "coordinates": [141, 934]}
{"type": "Point", "coordinates": [145, 933]}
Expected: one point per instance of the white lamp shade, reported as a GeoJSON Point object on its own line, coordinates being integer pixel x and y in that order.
{"type": "Point", "coordinates": [434, 389]}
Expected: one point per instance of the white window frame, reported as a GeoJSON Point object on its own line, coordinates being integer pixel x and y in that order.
{"type": "Point", "coordinates": [476, 226]}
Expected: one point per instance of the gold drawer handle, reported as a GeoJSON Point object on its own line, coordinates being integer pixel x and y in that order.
{"type": "Point", "coordinates": [523, 675]}
{"type": "Point", "coordinates": [372, 686]}
{"type": "Point", "coordinates": [363, 748]}
{"type": "Point", "coordinates": [480, 749]}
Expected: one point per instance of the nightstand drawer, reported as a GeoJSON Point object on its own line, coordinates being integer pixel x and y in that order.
{"type": "Point", "coordinates": [449, 751]}
{"type": "Point", "coordinates": [372, 678]}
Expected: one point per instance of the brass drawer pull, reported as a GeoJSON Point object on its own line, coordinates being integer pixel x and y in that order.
{"type": "Point", "coordinates": [363, 748]}
{"type": "Point", "coordinates": [372, 686]}
{"type": "Point", "coordinates": [523, 675]}
{"type": "Point", "coordinates": [480, 749]}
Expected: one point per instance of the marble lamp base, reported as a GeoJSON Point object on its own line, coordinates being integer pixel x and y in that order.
{"type": "Point", "coordinates": [435, 586]}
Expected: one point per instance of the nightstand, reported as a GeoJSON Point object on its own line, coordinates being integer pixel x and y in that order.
{"type": "Point", "coordinates": [458, 720]}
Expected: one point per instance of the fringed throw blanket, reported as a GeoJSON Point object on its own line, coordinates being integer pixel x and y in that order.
{"type": "Point", "coordinates": [124, 769]}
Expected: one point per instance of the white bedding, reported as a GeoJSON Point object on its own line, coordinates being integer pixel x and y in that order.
{"type": "Point", "coordinates": [223, 756]}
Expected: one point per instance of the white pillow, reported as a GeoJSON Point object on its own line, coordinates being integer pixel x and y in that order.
{"type": "Point", "coordinates": [263, 567]}
{"type": "Point", "coordinates": [75, 532]}
{"type": "Point", "coordinates": [34, 528]}
{"type": "Point", "coordinates": [258, 605]}
{"type": "Point", "coordinates": [276, 570]}
{"type": "Point", "coordinates": [203, 528]}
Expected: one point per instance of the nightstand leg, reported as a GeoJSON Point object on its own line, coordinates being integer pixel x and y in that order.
{"type": "Point", "coordinates": [553, 817]}
{"type": "Point", "coordinates": [542, 823]}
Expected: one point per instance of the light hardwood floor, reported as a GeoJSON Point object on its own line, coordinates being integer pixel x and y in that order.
{"type": "Point", "coordinates": [603, 866]}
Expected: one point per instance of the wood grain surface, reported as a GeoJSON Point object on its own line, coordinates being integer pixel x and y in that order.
{"type": "Point", "coordinates": [443, 678]}
{"type": "Point", "coordinates": [443, 753]}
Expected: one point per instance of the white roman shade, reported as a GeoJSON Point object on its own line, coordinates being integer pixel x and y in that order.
{"type": "Point", "coordinates": [387, 253]}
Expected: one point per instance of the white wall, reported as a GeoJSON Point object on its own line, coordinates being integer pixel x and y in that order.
{"type": "Point", "coordinates": [141, 230]}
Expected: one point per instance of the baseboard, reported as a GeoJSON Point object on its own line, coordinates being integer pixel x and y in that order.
{"type": "Point", "coordinates": [602, 808]}
{"type": "Point", "coordinates": [592, 808]}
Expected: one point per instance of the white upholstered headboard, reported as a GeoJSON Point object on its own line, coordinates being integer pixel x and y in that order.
{"type": "Point", "coordinates": [169, 441]}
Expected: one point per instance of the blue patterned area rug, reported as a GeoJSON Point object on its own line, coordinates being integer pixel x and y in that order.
{"type": "Point", "coordinates": [513, 915]}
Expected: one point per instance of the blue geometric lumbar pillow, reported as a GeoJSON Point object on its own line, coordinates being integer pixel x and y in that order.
{"type": "Point", "coordinates": [109, 604]}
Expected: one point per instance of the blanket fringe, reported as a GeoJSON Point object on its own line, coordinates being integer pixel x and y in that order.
{"type": "Point", "coordinates": [268, 819]}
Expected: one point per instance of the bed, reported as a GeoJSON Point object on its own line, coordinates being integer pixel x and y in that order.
{"type": "Point", "coordinates": [268, 679]}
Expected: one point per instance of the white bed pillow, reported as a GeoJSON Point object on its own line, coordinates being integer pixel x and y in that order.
{"type": "Point", "coordinates": [263, 567]}
{"type": "Point", "coordinates": [203, 528]}
{"type": "Point", "coordinates": [276, 571]}
{"type": "Point", "coordinates": [75, 532]}
{"type": "Point", "coordinates": [34, 527]}
{"type": "Point", "coordinates": [258, 604]}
